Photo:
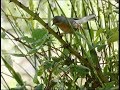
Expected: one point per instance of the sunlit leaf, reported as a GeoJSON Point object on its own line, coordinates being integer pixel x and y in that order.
{"type": "Point", "coordinates": [114, 37]}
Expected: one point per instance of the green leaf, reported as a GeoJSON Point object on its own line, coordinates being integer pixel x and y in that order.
{"type": "Point", "coordinates": [108, 86]}
{"type": "Point", "coordinates": [3, 34]}
{"type": "Point", "coordinates": [32, 51]}
{"type": "Point", "coordinates": [56, 59]}
{"type": "Point", "coordinates": [53, 83]}
{"type": "Point", "coordinates": [112, 34]}
{"type": "Point", "coordinates": [19, 55]}
{"type": "Point", "coordinates": [40, 36]}
{"type": "Point", "coordinates": [38, 33]}
{"type": "Point", "coordinates": [39, 42]}
{"type": "Point", "coordinates": [80, 69]}
{"type": "Point", "coordinates": [48, 64]}
{"type": "Point", "coordinates": [100, 47]}
{"type": "Point", "coordinates": [27, 39]}
{"type": "Point", "coordinates": [39, 87]}
{"type": "Point", "coordinates": [40, 71]}
{"type": "Point", "coordinates": [91, 33]}
{"type": "Point", "coordinates": [18, 88]}
{"type": "Point", "coordinates": [106, 69]}
{"type": "Point", "coordinates": [35, 80]}
{"type": "Point", "coordinates": [14, 74]}
{"type": "Point", "coordinates": [7, 57]}
{"type": "Point", "coordinates": [57, 71]}
{"type": "Point", "coordinates": [65, 52]}
{"type": "Point", "coordinates": [80, 35]}
{"type": "Point", "coordinates": [31, 5]}
{"type": "Point", "coordinates": [65, 69]}
{"type": "Point", "coordinates": [114, 37]}
{"type": "Point", "coordinates": [94, 56]}
{"type": "Point", "coordinates": [99, 31]}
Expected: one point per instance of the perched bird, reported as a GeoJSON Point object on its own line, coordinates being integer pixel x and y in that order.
{"type": "Point", "coordinates": [66, 24]}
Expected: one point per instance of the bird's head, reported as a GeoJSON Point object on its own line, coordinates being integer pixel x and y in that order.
{"type": "Point", "coordinates": [58, 20]}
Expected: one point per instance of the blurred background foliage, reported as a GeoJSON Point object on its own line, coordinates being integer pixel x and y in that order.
{"type": "Point", "coordinates": [33, 58]}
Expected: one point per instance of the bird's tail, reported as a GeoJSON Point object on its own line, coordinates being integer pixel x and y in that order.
{"type": "Point", "coordinates": [85, 19]}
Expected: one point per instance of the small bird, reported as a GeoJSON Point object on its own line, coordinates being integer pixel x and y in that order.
{"type": "Point", "coordinates": [66, 24]}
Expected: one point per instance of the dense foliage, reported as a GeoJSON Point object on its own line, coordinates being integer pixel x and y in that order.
{"type": "Point", "coordinates": [84, 60]}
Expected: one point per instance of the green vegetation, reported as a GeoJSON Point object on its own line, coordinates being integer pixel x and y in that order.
{"type": "Point", "coordinates": [84, 60]}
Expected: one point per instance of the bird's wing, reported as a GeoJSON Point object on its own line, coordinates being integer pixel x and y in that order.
{"type": "Point", "coordinates": [85, 19]}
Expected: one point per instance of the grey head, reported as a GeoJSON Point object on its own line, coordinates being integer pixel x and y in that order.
{"type": "Point", "coordinates": [61, 19]}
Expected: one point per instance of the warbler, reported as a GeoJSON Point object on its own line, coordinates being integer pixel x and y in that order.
{"type": "Point", "coordinates": [67, 24]}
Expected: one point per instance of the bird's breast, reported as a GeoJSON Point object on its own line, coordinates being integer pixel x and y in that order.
{"type": "Point", "coordinates": [64, 27]}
